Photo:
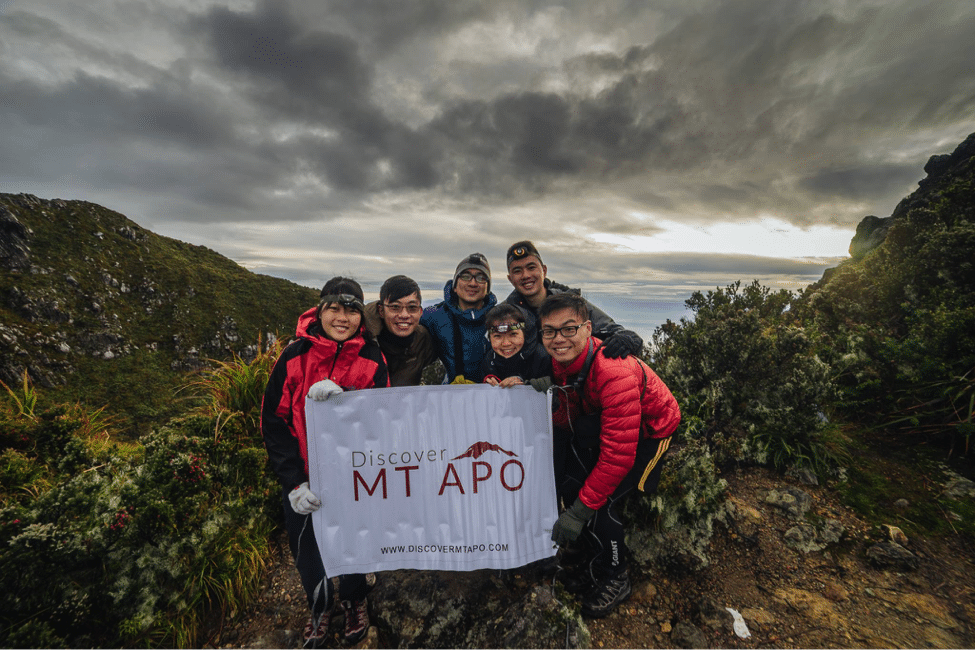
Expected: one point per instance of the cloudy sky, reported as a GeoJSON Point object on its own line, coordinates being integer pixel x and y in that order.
{"type": "Point", "coordinates": [647, 147]}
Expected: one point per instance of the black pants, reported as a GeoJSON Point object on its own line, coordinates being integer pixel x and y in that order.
{"type": "Point", "coordinates": [602, 538]}
{"type": "Point", "coordinates": [308, 561]}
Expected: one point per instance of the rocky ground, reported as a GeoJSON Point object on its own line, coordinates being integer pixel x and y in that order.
{"type": "Point", "coordinates": [834, 597]}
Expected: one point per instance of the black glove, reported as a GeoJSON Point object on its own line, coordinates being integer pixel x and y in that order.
{"type": "Point", "coordinates": [622, 343]}
{"type": "Point", "coordinates": [569, 526]}
{"type": "Point", "coordinates": [542, 384]}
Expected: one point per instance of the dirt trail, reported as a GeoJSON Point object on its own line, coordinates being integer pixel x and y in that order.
{"type": "Point", "coordinates": [788, 599]}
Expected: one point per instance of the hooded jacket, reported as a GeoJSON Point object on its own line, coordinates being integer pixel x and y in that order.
{"type": "Point", "coordinates": [406, 362]}
{"type": "Point", "coordinates": [524, 365]}
{"type": "Point", "coordinates": [632, 402]}
{"type": "Point", "coordinates": [531, 361]}
{"type": "Point", "coordinates": [445, 320]}
{"type": "Point", "coordinates": [352, 364]}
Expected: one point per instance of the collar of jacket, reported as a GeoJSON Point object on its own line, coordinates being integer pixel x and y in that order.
{"type": "Point", "coordinates": [451, 303]}
{"type": "Point", "coordinates": [307, 330]}
{"type": "Point", "coordinates": [564, 373]}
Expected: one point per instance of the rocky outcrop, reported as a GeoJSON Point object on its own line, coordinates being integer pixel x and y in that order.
{"type": "Point", "coordinates": [14, 252]}
{"type": "Point", "coordinates": [871, 233]}
{"type": "Point", "coordinates": [479, 609]}
{"type": "Point", "coordinates": [942, 170]}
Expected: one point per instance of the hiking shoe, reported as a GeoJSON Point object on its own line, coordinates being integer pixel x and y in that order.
{"type": "Point", "coordinates": [606, 596]}
{"type": "Point", "coordinates": [356, 619]}
{"type": "Point", "coordinates": [316, 630]}
{"type": "Point", "coordinates": [576, 580]}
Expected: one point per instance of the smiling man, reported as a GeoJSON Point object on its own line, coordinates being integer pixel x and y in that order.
{"type": "Point", "coordinates": [457, 323]}
{"type": "Point", "coordinates": [528, 275]}
{"type": "Point", "coordinates": [395, 322]}
{"type": "Point", "coordinates": [612, 427]}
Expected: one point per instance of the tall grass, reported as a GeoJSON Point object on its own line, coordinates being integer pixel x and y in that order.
{"type": "Point", "coordinates": [136, 544]}
{"type": "Point", "coordinates": [235, 388]}
{"type": "Point", "coordinates": [26, 399]}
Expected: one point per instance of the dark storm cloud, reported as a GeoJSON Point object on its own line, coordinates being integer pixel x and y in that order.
{"type": "Point", "coordinates": [774, 102]}
{"type": "Point", "coordinates": [862, 182]}
{"type": "Point", "coordinates": [705, 110]}
{"type": "Point", "coordinates": [319, 79]}
{"type": "Point", "coordinates": [385, 24]}
{"type": "Point", "coordinates": [318, 67]}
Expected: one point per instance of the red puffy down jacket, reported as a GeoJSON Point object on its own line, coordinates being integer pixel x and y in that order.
{"type": "Point", "coordinates": [632, 401]}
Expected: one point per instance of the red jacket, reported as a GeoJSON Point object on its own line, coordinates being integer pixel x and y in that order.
{"type": "Point", "coordinates": [632, 401]}
{"type": "Point", "coordinates": [352, 364]}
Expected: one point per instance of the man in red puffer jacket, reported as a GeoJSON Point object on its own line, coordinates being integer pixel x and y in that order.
{"type": "Point", "coordinates": [613, 425]}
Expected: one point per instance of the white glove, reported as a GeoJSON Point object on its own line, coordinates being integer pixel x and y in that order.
{"type": "Point", "coordinates": [303, 500]}
{"type": "Point", "coordinates": [322, 390]}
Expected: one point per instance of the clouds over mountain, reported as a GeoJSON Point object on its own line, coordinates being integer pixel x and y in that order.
{"type": "Point", "coordinates": [582, 113]}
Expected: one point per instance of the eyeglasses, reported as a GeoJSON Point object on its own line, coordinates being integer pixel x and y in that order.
{"type": "Point", "coordinates": [568, 331]}
{"type": "Point", "coordinates": [397, 308]}
{"type": "Point", "coordinates": [480, 278]}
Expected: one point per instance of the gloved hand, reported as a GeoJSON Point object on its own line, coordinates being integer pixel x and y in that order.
{"type": "Point", "coordinates": [461, 379]}
{"type": "Point", "coordinates": [322, 390]}
{"type": "Point", "coordinates": [541, 384]}
{"type": "Point", "coordinates": [303, 500]}
{"type": "Point", "coordinates": [622, 343]}
{"type": "Point", "coordinates": [571, 522]}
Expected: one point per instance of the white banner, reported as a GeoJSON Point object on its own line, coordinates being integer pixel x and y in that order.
{"type": "Point", "coordinates": [432, 477]}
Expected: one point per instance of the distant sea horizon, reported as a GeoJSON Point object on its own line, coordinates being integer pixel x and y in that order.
{"type": "Point", "coordinates": [639, 306]}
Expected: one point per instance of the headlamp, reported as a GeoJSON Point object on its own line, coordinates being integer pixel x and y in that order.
{"type": "Point", "coordinates": [344, 299]}
{"type": "Point", "coordinates": [506, 327]}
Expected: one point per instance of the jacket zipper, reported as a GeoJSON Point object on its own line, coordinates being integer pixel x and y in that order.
{"type": "Point", "coordinates": [335, 359]}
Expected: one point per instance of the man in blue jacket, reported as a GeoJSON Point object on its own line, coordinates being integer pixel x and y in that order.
{"type": "Point", "coordinates": [457, 323]}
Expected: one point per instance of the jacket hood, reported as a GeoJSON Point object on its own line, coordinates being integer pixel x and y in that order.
{"type": "Point", "coordinates": [309, 328]}
{"type": "Point", "coordinates": [371, 319]}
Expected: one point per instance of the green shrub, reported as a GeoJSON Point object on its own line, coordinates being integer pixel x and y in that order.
{"type": "Point", "coordinates": [748, 373]}
{"type": "Point", "coordinates": [675, 524]}
{"type": "Point", "coordinates": [103, 544]}
{"type": "Point", "coordinates": [898, 327]}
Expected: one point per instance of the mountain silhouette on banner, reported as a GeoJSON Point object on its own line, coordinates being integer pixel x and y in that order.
{"type": "Point", "coordinates": [478, 448]}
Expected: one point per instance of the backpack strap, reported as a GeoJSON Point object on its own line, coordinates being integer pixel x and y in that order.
{"type": "Point", "coordinates": [458, 346]}
{"type": "Point", "coordinates": [580, 380]}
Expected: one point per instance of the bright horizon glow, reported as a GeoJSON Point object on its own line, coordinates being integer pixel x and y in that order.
{"type": "Point", "coordinates": [769, 237]}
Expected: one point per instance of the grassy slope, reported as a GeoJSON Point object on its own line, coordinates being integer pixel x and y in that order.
{"type": "Point", "coordinates": [157, 304]}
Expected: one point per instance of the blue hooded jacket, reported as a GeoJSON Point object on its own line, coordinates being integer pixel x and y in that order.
{"type": "Point", "coordinates": [445, 319]}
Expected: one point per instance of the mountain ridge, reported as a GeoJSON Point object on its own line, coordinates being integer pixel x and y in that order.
{"type": "Point", "coordinates": [87, 295]}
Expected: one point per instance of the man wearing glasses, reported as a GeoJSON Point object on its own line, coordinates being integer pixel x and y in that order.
{"type": "Point", "coordinates": [395, 323]}
{"type": "Point", "coordinates": [613, 425]}
{"type": "Point", "coordinates": [457, 323]}
{"type": "Point", "coordinates": [527, 275]}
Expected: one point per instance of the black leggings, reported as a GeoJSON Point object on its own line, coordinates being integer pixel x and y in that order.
{"type": "Point", "coordinates": [308, 561]}
{"type": "Point", "coordinates": [602, 537]}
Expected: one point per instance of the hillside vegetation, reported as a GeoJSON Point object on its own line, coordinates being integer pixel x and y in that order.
{"type": "Point", "coordinates": [101, 311]}
{"type": "Point", "coordinates": [117, 533]}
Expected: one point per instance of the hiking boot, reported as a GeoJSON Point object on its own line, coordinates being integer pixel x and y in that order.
{"type": "Point", "coordinates": [577, 580]}
{"type": "Point", "coordinates": [606, 596]}
{"type": "Point", "coordinates": [356, 619]}
{"type": "Point", "coordinates": [316, 630]}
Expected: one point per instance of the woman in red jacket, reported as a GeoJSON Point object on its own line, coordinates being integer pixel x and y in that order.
{"type": "Point", "coordinates": [330, 354]}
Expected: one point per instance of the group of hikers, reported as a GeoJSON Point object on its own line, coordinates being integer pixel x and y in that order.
{"type": "Point", "coordinates": [613, 417]}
